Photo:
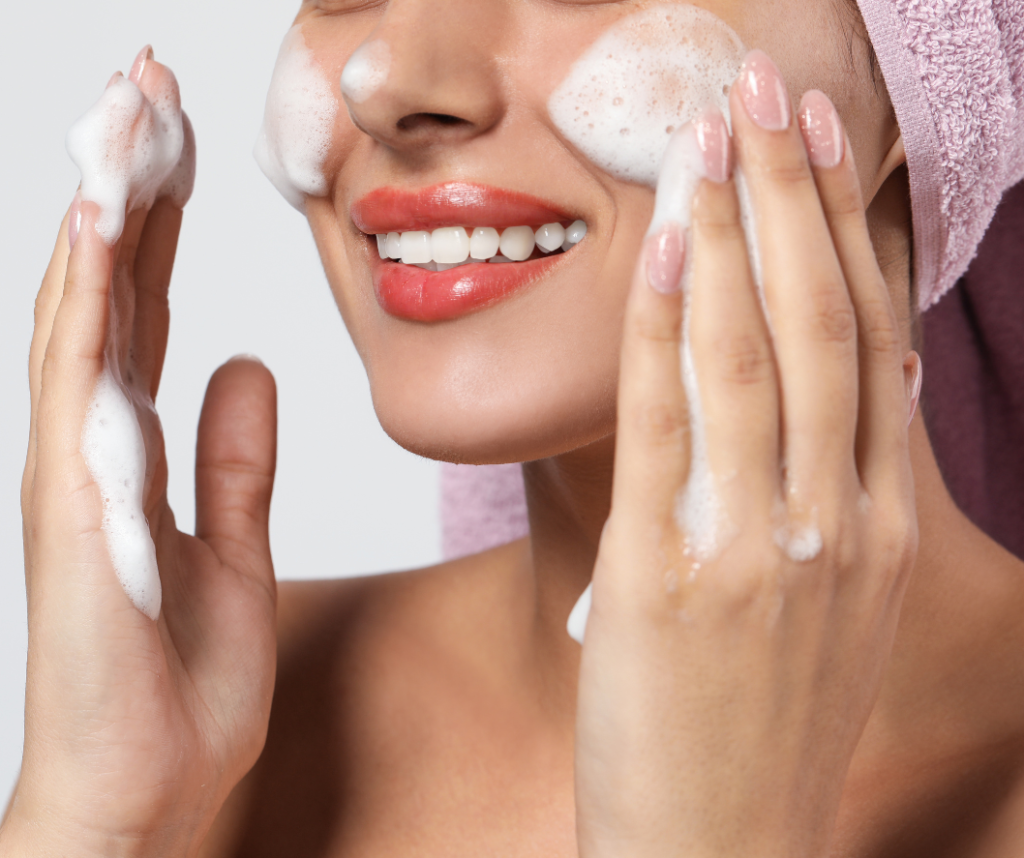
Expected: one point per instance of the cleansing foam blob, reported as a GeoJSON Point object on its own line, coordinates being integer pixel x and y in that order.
{"type": "Point", "coordinates": [297, 123]}
{"type": "Point", "coordinates": [131, 150]}
{"type": "Point", "coordinates": [649, 74]}
{"type": "Point", "coordinates": [366, 70]}
{"type": "Point", "coordinates": [115, 453]}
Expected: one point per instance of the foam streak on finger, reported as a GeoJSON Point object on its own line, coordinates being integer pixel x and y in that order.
{"type": "Point", "coordinates": [732, 353]}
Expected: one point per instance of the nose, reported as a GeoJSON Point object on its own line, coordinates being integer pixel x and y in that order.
{"type": "Point", "coordinates": [428, 74]}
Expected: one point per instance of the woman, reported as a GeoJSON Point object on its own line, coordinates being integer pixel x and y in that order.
{"type": "Point", "coordinates": [808, 680]}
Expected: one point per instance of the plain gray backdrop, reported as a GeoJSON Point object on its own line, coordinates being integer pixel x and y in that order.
{"type": "Point", "coordinates": [247, 279]}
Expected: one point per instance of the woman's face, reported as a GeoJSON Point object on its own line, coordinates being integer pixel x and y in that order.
{"type": "Point", "coordinates": [465, 101]}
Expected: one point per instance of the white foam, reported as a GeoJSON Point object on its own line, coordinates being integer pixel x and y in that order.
{"type": "Point", "coordinates": [366, 70]}
{"type": "Point", "coordinates": [646, 76]}
{"type": "Point", "coordinates": [131, 150]}
{"type": "Point", "coordinates": [576, 625]}
{"type": "Point", "coordinates": [115, 453]}
{"type": "Point", "coordinates": [298, 120]}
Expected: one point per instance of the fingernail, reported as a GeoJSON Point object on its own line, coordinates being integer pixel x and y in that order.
{"type": "Point", "coordinates": [114, 78]}
{"type": "Point", "coordinates": [664, 252]}
{"type": "Point", "coordinates": [822, 130]}
{"type": "Point", "coordinates": [244, 356]}
{"type": "Point", "coordinates": [74, 220]}
{"type": "Point", "coordinates": [913, 383]}
{"type": "Point", "coordinates": [713, 141]}
{"type": "Point", "coordinates": [764, 94]}
{"type": "Point", "coordinates": [146, 54]}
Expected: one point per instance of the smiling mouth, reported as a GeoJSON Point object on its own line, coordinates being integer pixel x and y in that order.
{"type": "Point", "coordinates": [453, 246]}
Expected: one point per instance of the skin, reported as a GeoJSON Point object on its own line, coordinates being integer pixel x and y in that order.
{"type": "Point", "coordinates": [864, 703]}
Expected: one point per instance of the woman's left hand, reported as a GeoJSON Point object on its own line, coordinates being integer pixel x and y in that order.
{"type": "Point", "coordinates": [742, 619]}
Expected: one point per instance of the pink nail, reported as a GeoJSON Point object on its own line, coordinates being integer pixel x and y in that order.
{"type": "Point", "coordinates": [713, 140]}
{"type": "Point", "coordinates": [146, 54]}
{"type": "Point", "coordinates": [764, 94]}
{"type": "Point", "coordinates": [74, 220]}
{"type": "Point", "coordinates": [664, 252]}
{"type": "Point", "coordinates": [114, 78]}
{"type": "Point", "coordinates": [822, 130]}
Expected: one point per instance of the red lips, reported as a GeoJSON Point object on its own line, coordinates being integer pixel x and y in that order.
{"type": "Point", "coordinates": [413, 293]}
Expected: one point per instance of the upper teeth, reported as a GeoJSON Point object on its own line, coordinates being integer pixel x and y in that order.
{"type": "Point", "coordinates": [453, 245]}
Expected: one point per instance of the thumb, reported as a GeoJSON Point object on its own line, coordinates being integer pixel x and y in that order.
{"type": "Point", "coordinates": [236, 455]}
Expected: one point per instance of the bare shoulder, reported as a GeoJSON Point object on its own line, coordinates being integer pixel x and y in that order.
{"type": "Point", "coordinates": [359, 660]}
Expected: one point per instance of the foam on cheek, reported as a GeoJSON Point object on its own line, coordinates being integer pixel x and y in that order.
{"type": "Point", "coordinates": [115, 453]}
{"type": "Point", "coordinates": [645, 77]}
{"type": "Point", "coordinates": [127, 147]}
{"type": "Point", "coordinates": [297, 123]}
{"type": "Point", "coordinates": [366, 71]}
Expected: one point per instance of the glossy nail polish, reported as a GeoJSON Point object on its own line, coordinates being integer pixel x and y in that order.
{"type": "Point", "coordinates": [715, 145]}
{"type": "Point", "coordinates": [763, 92]}
{"type": "Point", "coordinates": [139, 66]}
{"type": "Point", "coordinates": [822, 130]}
{"type": "Point", "coordinates": [74, 221]}
{"type": "Point", "coordinates": [664, 263]}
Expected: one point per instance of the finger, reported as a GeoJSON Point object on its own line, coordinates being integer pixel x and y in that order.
{"type": "Point", "coordinates": [732, 352]}
{"type": "Point", "coordinates": [47, 301]}
{"type": "Point", "coordinates": [235, 462]}
{"type": "Point", "coordinates": [75, 352]}
{"type": "Point", "coordinates": [882, 424]}
{"type": "Point", "coordinates": [810, 312]}
{"type": "Point", "coordinates": [652, 439]}
{"type": "Point", "coordinates": [153, 266]}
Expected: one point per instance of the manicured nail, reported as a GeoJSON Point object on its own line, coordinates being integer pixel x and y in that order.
{"type": "Point", "coordinates": [715, 145]}
{"type": "Point", "coordinates": [114, 78]}
{"type": "Point", "coordinates": [913, 383]}
{"type": "Point", "coordinates": [244, 356]}
{"type": "Point", "coordinates": [822, 130]}
{"type": "Point", "coordinates": [74, 220]}
{"type": "Point", "coordinates": [764, 94]}
{"type": "Point", "coordinates": [665, 250]}
{"type": "Point", "coordinates": [145, 55]}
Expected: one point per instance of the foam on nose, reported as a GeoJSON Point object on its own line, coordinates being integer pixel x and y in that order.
{"type": "Point", "coordinates": [298, 122]}
{"type": "Point", "coordinates": [366, 70]}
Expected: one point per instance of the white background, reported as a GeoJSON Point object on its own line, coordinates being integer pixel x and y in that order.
{"type": "Point", "coordinates": [247, 279]}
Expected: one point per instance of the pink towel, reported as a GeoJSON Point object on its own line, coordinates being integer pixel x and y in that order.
{"type": "Point", "coordinates": [955, 72]}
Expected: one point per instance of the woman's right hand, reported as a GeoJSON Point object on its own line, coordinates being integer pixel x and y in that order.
{"type": "Point", "coordinates": [136, 730]}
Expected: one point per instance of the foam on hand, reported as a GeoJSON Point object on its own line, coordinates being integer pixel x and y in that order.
{"type": "Point", "coordinates": [131, 150]}
{"type": "Point", "coordinates": [646, 76]}
{"type": "Point", "coordinates": [115, 452]}
{"type": "Point", "coordinates": [366, 70]}
{"type": "Point", "coordinates": [298, 121]}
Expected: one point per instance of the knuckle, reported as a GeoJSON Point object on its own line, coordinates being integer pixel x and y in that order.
{"type": "Point", "coordinates": [743, 358]}
{"type": "Point", "coordinates": [878, 330]}
{"type": "Point", "coordinates": [832, 316]}
{"type": "Point", "coordinates": [659, 423]}
{"type": "Point", "coordinates": [791, 171]}
{"type": "Point", "coordinates": [655, 327]}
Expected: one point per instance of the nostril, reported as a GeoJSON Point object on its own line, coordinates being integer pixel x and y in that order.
{"type": "Point", "coordinates": [415, 121]}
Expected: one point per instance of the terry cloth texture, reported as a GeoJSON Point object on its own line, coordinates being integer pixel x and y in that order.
{"type": "Point", "coordinates": [955, 73]}
{"type": "Point", "coordinates": [973, 397]}
{"type": "Point", "coordinates": [481, 506]}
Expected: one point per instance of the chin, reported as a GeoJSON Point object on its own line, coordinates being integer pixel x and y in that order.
{"type": "Point", "coordinates": [488, 417]}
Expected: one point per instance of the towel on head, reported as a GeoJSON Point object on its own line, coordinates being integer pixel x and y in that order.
{"type": "Point", "coordinates": [955, 73]}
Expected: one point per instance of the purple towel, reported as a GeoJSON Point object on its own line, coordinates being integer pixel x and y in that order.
{"type": "Point", "coordinates": [973, 397]}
